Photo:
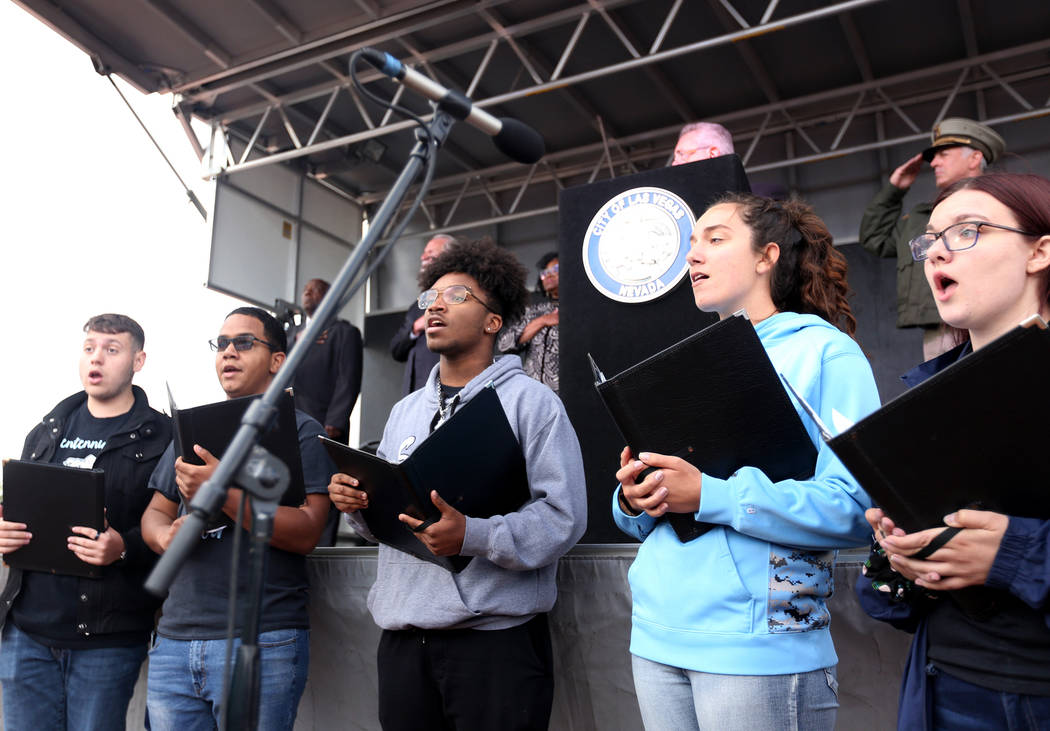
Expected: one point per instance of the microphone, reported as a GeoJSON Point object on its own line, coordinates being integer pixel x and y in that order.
{"type": "Point", "coordinates": [513, 138]}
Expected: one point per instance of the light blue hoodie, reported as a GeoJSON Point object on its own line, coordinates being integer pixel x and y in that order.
{"type": "Point", "coordinates": [749, 596]}
{"type": "Point", "coordinates": [512, 576]}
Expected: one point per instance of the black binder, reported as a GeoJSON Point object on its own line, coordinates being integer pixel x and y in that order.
{"type": "Point", "coordinates": [714, 400]}
{"type": "Point", "coordinates": [51, 499]}
{"type": "Point", "coordinates": [973, 435]}
{"type": "Point", "coordinates": [473, 460]}
{"type": "Point", "coordinates": [213, 426]}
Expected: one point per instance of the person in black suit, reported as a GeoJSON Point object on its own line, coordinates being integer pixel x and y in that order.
{"type": "Point", "coordinates": [329, 378]}
{"type": "Point", "coordinates": [407, 346]}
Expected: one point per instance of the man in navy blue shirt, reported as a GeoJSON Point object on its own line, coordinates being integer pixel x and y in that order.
{"type": "Point", "coordinates": [187, 661]}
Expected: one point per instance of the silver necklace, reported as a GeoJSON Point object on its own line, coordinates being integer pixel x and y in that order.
{"type": "Point", "coordinates": [444, 407]}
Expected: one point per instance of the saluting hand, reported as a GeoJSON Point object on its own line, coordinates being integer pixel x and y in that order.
{"type": "Point", "coordinates": [904, 176]}
{"type": "Point", "coordinates": [345, 495]}
{"type": "Point", "coordinates": [445, 537]}
{"type": "Point", "coordinates": [12, 535]}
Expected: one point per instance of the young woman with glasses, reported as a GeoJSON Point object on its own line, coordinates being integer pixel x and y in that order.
{"type": "Point", "coordinates": [731, 630]}
{"type": "Point", "coordinates": [987, 260]}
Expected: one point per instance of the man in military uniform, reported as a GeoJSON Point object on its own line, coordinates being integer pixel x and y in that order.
{"type": "Point", "coordinates": [961, 148]}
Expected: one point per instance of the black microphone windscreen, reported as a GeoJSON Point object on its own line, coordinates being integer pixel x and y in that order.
{"type": "Point", "coordinates": [519, 141]}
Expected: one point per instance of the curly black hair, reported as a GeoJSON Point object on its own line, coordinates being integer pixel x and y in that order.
{"type": "Point", "coordinates": [497, 270]}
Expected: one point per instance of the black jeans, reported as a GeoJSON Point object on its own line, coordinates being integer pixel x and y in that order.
{"type": "Point", "coordinates": [466, 680]}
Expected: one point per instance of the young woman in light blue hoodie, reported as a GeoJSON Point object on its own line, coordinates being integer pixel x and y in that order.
{"type": "Point", "coordinates": [731, 630]}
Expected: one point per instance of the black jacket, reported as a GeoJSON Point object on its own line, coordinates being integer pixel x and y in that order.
{"type": "Point", "coordinates": [413, 352]}
{"type": "Point", "coordinates": [329, 377]}
{"type": "Point", "coordinates": [116, 602]}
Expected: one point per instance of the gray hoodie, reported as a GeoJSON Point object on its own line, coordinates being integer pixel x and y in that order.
{"type": "Point", "coordinates": [516, 555]}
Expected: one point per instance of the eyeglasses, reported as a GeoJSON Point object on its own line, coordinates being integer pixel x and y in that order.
{"type": "Point", "coordinates": [685, 154]}
{"type": "Point", "coordinates": [957, 237]}
{"type": "Point", "coordinates": [453, 295]}
{"type": "Point", "coordinates": [240, 342]}
{"type": "Point", "coordinates": [549, 271]}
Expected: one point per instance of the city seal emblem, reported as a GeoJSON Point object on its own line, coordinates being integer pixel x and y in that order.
{"type": "Point", "coordinates": [635, 246]}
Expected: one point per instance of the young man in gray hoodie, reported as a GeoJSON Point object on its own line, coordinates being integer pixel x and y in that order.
{"type": "Point", "coordinates": [472, 650]}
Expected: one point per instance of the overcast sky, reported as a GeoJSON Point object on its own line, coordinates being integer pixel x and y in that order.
{"type": "Point", "coordinates": [93, 221]}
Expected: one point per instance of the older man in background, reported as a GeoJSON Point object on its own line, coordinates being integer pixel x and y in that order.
{"type": "Point", "coordinates": [960, 148]}
{"type": "Point", "coordinates": [702, 141]}
{"type": "Point", "coordinates": [407, 346]}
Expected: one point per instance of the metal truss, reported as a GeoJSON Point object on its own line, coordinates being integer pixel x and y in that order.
{"type": "Point", "coordinates": [855, 112]}
{"type": "Point", "coordinates": [855, 109]}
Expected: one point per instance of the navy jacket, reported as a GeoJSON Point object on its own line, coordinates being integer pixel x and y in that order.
{"type": "Point", "coordinates": [329, 378]}
{"type": "Point", "coordinates": [1021, 567]}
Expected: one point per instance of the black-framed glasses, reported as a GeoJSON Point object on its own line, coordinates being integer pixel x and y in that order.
{"type": "Point", "coordinates": [455, 294]}
{"type": "Point", "coordinates": [957, 237]}
{"type": "Point", "coordinates": [683, 155]}
{"type": "Point", "coordinates": [240, 342]}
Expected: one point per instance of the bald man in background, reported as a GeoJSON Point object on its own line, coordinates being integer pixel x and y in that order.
{"type": "Point", "coordinates": [407, 345]}
{"type": "Point", "coordinates": [329, 379]}
{"type": "Point", "coordinates": [702, 141]}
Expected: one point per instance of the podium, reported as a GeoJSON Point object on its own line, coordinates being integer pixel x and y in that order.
{"type": "Point", "coordinates": [624, 295]}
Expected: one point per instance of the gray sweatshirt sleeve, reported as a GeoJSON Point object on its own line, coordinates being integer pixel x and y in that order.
{"type": "Point", "coordinates": [547, 527]}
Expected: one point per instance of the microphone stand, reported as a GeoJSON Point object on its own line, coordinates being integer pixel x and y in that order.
{"type": "Point", "coordinates": [266, 477]}
{"type": "Point", "coordinates": [260, 414]}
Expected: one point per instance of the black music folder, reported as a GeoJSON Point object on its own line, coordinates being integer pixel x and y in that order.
{"type": "Point", "coordinates": [50, 499]}
{"type": "Point", "coordinates": [973, 435]}
{"type": "Point", "coordinates": [714, 400]}
{"type": "Point", "coordinates": [473, 460]}
{"type": "Point", "coordinates": [213, 426]}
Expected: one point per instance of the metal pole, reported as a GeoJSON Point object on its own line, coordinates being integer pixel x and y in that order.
{"type": "Point", "coordinates": [212, 494]}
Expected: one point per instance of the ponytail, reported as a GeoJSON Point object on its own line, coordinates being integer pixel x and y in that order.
{"type": "Point", "coordinates": [810, 275]}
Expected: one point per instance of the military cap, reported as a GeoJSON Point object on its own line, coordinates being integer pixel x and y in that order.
{"type": "Point", "coordinates": [956, 131]}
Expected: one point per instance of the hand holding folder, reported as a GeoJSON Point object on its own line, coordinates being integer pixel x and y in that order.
{"type": "Point", "coordinates": [714, 400]}
{"type": "Point", "coordinates": [675, 488]}
{"type": "Point", "coordinates": [971, 436]}
{"type": "Point", "coordinates": [444, 536]}
{"type": "Point", "coordinates": [473, 462]}
{"type": "Point", "coordinates": [213, 427]}
{"type": "Point", "coordinates": [50, 500]}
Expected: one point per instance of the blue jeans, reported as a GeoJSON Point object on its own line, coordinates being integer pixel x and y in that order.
{"type": "Point", "coordinates": [962, 706]}
{"type": "Point", "coordinates": [186, 676]}
{"type": "Point", "coordinates": [674, 699]}
{"type": "Point", "coordinates": [45, 688]}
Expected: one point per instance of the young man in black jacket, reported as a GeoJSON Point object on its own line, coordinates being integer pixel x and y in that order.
{"type": "Point", "coordinates": [72, 647]}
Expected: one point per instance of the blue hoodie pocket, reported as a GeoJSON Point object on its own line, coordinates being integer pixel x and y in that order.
{"type": "Point", "coordinates": [695, 586]}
